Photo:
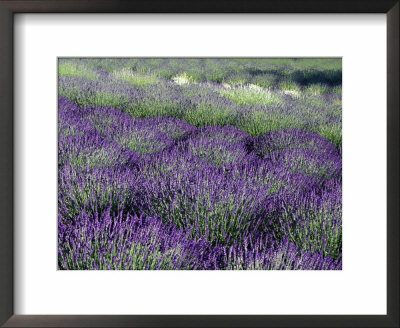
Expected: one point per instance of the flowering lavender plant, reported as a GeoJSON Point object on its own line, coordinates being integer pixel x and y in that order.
{"type": "Point", "coordinates": [199, 164]}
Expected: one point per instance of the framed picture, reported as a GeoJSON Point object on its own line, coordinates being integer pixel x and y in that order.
{"type": "Point", "coordinates": [165, 166]}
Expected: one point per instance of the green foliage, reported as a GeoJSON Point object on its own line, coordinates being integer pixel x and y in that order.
{"type": "Point", "coordinates": [333, 133]}
{"type": "Point", "coordinates": [97, 98]}
{"type": "Point", "coordinates": [318, 89]}
{"type": "Point", "coordinates": [155, 108]}
{"type": "Point", "coordinates": [108, 99]}
{"type": "Point", "coordinates": [251, 95]}
{"type": "Point", "coordinates": [261, 122]}
{"type": "Point", "coordinates": [66, 68]}
{"type": "Point", "coordinates": [337, 90]}
{"type": "Point", "coordinates": [135, 78]}
{"type": "Point", "coordinates": [208, 114]}
{"type": "Point", "coordinates": [287, 85]}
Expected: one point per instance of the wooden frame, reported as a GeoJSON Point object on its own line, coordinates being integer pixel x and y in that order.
{"type": "Point", "coordinates": [9, 7]}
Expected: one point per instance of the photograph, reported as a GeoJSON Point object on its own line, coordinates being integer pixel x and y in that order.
{"type": "Point", "coordinates": [199, 163]}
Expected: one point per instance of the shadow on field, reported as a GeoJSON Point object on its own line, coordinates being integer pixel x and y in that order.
{"type": "Point", "coordinates": [331, 77]}
{"type": "Point", "coordinates": [302, 77]}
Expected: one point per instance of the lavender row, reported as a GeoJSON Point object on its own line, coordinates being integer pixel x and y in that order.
{"type": "Point", "coordinates": [125, 242]}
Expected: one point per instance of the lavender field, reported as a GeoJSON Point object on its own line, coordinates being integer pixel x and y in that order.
{"type": "Point", "coordinates": [199, 164]}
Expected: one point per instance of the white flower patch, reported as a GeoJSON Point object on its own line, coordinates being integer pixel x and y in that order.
{"type": "Point", "coordinates": [183, 79]}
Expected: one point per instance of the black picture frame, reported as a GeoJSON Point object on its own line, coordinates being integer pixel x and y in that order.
{"type": "Point", "coordinates": [10, 7]}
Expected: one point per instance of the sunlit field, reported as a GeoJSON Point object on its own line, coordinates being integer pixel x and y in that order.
{"type": "Point", "coordinates": [199, 164]}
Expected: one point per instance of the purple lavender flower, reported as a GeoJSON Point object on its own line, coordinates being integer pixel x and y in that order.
{"type": "Point", "coordinates": [238, 167]}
